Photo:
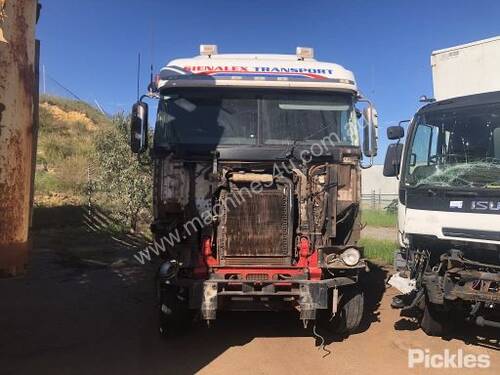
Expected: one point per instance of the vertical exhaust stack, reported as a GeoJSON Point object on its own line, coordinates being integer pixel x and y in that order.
{"type": "Point", "coordinates": [18, 88]}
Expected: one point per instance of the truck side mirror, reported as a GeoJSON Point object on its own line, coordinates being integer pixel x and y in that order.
{"type": "Point", "coordinates": [370, 131]}
{"type": "Point", "coordinates": [395, 132]}
{"type": "Point", "coordinates": [139, 128]}
{"type": "Point", "coordinates": [392, 164]}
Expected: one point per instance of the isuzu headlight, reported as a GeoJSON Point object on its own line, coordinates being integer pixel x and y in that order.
{"type": "Point", "coordinates": [351, 256]}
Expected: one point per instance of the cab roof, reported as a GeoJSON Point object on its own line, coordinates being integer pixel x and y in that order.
{"type": "Point", "coordinates": [256, 71]}
{"type": "Point", "coordinates": [463, 101]}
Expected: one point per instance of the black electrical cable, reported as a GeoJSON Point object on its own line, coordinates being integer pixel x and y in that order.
{"type": "Point", "coordinates": [65, 88]}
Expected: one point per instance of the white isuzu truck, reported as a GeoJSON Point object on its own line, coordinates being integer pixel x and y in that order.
{"type": "Point", "coordinates": [449, 193]}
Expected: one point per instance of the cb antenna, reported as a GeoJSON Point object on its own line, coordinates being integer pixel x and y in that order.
{"type": "Point", "coordinates": [138, 75]}
{"type": "Point", "coordinates": [151, 79]}
{"type": "Point", "coordinates": [151, 76]}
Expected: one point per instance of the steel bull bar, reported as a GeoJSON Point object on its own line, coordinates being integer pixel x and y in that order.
{"type": "Point", "coordinates": [310, 295]}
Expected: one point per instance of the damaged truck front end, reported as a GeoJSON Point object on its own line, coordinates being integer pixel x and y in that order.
{"type": "Point", "coordinates": [448, 282]}
{"type": "Point", "coordinates": [264, 241]}
{"type": "Point", "coordinates": [257, 191]}
{"type": "Point", "coordinates": [449, 213]}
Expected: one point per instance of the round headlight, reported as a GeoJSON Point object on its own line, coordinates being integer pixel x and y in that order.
{"type": "Point", "coordinates": [350, 256]}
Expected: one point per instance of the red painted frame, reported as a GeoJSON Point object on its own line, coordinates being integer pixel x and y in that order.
{"type": "Point", "coordinates": [307, 263]}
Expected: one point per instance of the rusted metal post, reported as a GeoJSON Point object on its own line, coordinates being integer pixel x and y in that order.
{"type": "Point", "coordinates": [17, 93]}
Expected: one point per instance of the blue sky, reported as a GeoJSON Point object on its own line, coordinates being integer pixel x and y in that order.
{"type": "Point", "coordinates": [91, 46]}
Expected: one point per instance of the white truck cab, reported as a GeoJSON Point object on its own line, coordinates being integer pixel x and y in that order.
{"type": "Point", "coordinates": [449, 191]}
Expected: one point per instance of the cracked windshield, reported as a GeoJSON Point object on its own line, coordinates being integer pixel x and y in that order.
{"type": "Point", "coordinates": [456, 148]}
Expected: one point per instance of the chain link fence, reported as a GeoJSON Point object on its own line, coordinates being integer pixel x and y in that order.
{"type": "Point", "coordinates": [377, 200]}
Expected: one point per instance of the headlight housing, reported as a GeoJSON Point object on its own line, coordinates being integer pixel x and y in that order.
{"type": "Point", "coordinates": [168, 270]}
{"type": "Point", "coordinates": [350, 256]}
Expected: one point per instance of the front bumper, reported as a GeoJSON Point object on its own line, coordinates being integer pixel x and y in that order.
{"type": "Point", "coordinates": [308, 295]}
{"type": "Point", "coordinates": [465, 280]}
{"type": "Point", "coordinates": [470, 285]}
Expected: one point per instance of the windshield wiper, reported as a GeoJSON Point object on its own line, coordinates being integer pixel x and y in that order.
{"type": "Point", "coordinates": [429, 188]}
{"type": "Point", "coordinates": [448, 191]}
{"type": "Point", "coordinates": [291, 149]}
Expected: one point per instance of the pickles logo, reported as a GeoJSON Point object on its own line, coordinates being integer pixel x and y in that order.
{"type": "Point", "coordinates": [485, 206]}
{"type": "Point", "coordinates": [448, 359]}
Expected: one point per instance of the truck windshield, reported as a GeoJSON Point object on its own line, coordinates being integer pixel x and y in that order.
{"type": "Point", "coordinates": [456, 148]}
{"type": "Point", "coordinates": [238, 117]}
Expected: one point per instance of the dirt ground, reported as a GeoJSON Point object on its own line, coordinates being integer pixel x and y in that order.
{"type": "Point", "coordinates": [86, 308]}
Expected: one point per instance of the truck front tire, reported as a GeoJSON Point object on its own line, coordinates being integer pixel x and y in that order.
{"type": "Point", "coordinates": [174, 314]}
{"type": "Point", "coordinates": [350, 312]}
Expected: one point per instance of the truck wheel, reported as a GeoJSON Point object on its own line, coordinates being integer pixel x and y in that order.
{"type": "Point", "coordinates": [174, 313]}
{"type": "Point", "coordinates": [350, 312]}
{"type": "Point", "coordinates": [432, 322]}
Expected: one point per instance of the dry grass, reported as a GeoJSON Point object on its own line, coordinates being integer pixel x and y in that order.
{"type": "Point", "coordinates": [69, 117]}
{"type": "Point", "coordinates": [65, 145]}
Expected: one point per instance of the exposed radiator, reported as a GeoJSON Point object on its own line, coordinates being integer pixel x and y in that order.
{"type": "Point", "coordinates": [257, 230]}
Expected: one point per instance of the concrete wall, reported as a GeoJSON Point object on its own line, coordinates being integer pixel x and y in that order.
{"type": "Point", "coordinates": [377, 191]}
{"type": "Point", "coordinates": [373, 179]}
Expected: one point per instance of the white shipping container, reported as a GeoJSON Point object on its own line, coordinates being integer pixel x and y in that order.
{"type": "Point", "coordinates": [467, 69]}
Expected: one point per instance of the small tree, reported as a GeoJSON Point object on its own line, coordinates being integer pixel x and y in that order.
{"type": "Point", "coordinates": [125, 182]}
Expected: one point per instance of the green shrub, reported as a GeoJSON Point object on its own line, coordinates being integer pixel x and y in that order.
{"type": "Point", "coordinates": [126, 182]}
